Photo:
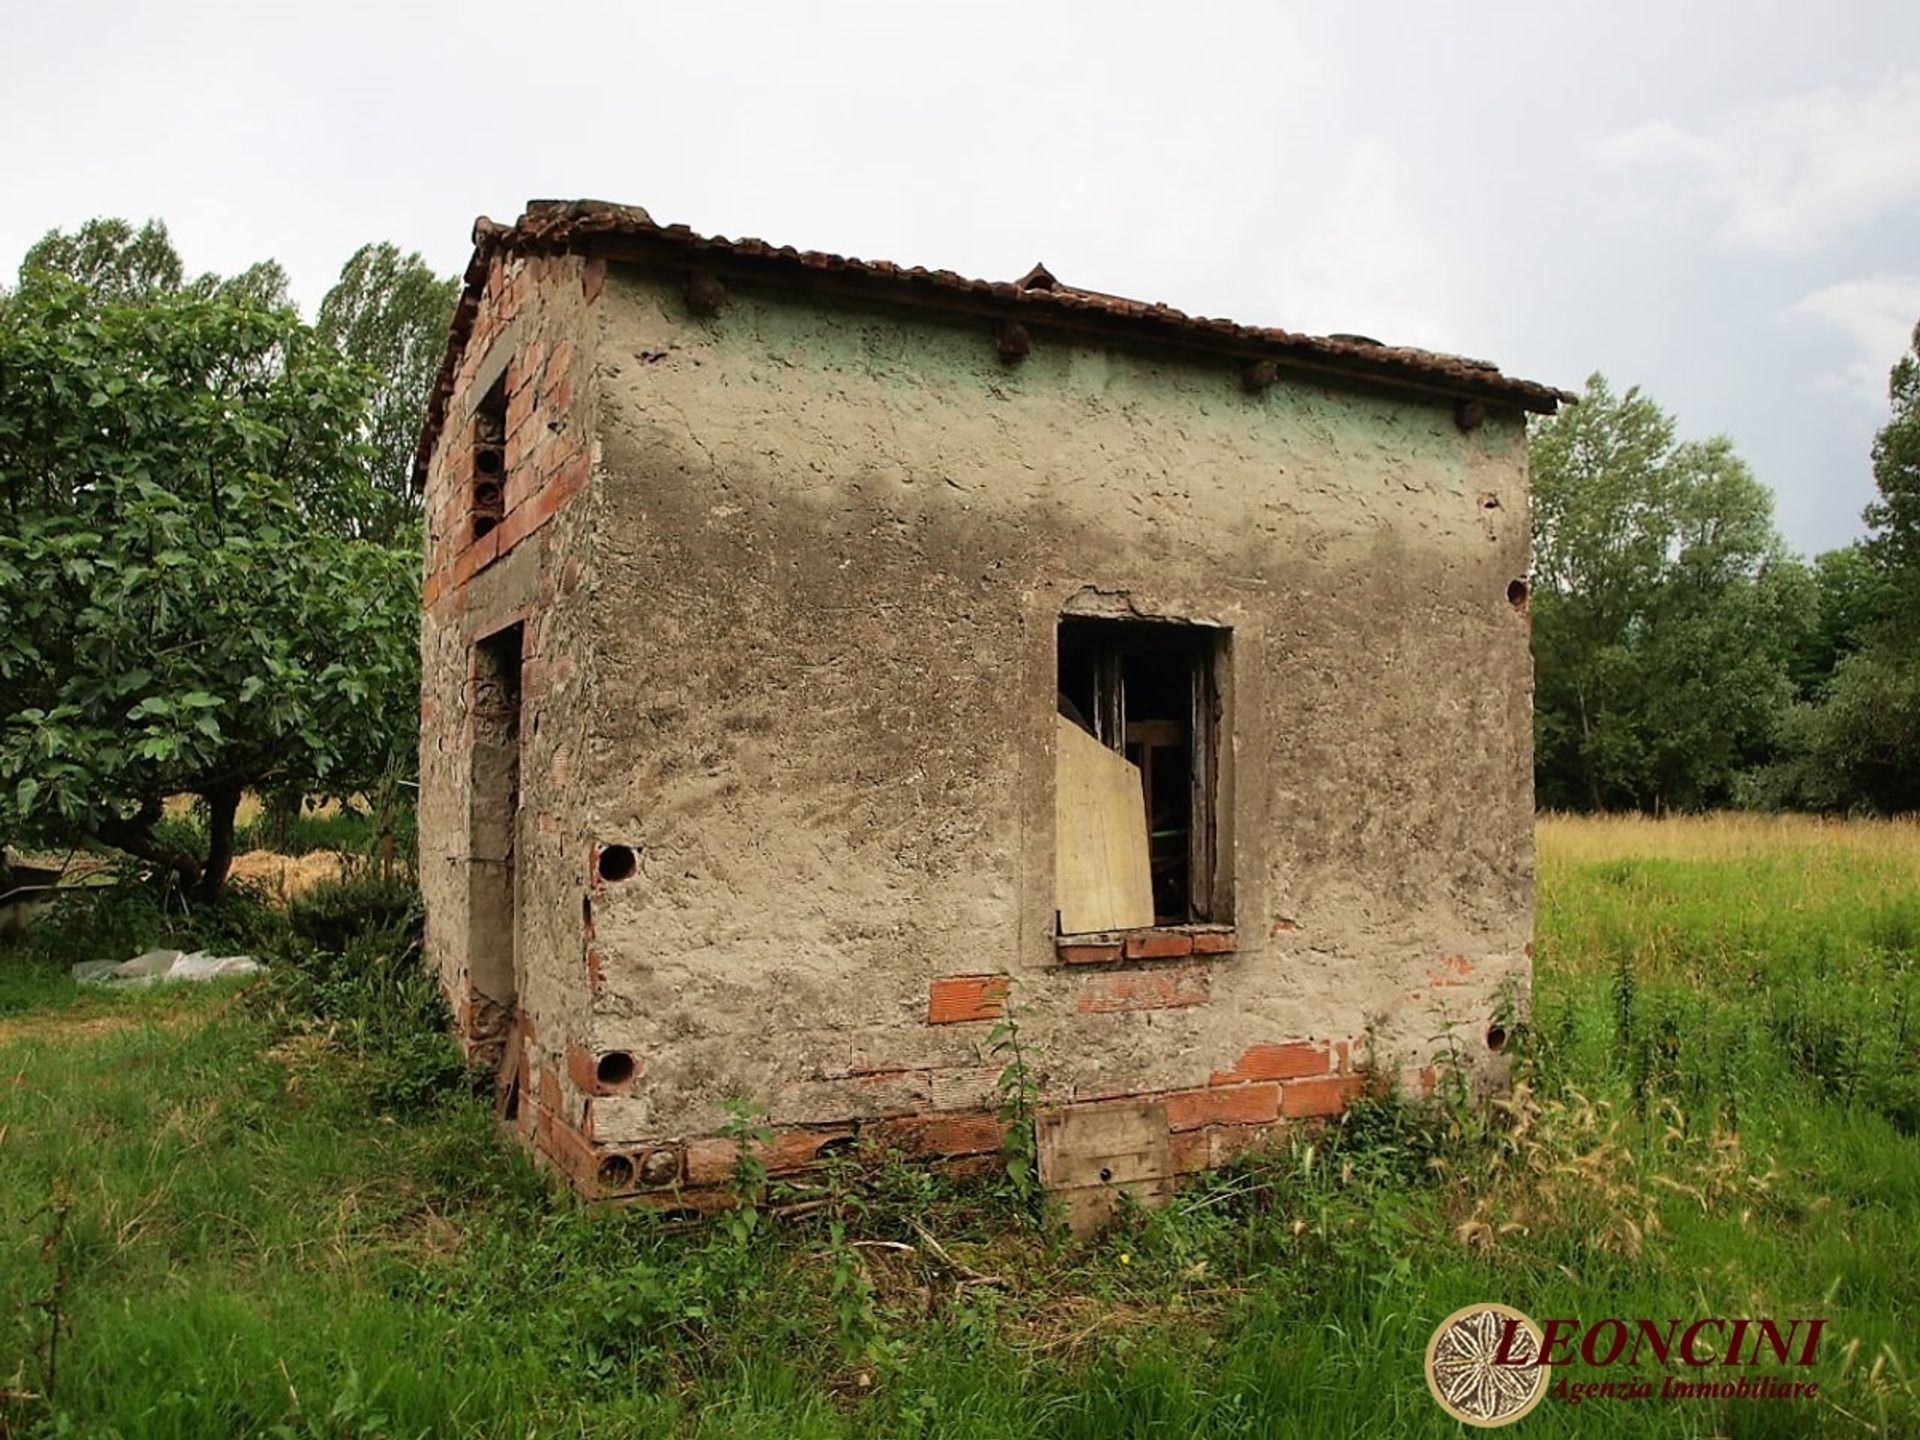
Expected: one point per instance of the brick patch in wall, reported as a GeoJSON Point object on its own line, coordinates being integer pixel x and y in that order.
{"type": "Point", "coordinates": [712, 1161]}
{"type": "Point", "coordinates": [957, 999]}
{"type": "Point", "coordinates": [1202, 1128]}
{"type": "Point", "coordinates": [1095, 954]}
{"type": "Point", "coordinates": [1330, 1095]}
{"type": "Point", "coordinates": [1452, 970]}
{"type": "Point", "coordinates": [933, 1135]}
{"type": "Point", "coordinates": [1145, 990]}
{"type": "Point", "coordinates": [1212, 1146]}
{"type": "Point", "coordinates": [1257, 1104]}
{"type": "Point", "coordinates": [1277, 1062]}
{"type": "Point", "coordinates": [1160, 942]}
{"type": "Point", "coordinates": [1158, 945]}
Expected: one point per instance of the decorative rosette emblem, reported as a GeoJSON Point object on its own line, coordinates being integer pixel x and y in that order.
{"type": "Point", "coordinates": [1469, 1376]}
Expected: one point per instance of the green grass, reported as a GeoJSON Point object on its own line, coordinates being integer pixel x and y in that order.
{"type": "Point", "coordinates": [282, 1210]}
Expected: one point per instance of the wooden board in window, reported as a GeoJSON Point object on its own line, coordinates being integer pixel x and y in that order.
{"type": "Point", "coordinates": [1102, 879]}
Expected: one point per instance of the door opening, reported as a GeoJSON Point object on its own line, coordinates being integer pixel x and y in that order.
{"type": "Point", "coordinates": [494, 828]}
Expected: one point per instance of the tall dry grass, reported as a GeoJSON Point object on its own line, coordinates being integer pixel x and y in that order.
{"type": "Point", "coordinates": [1725, 835]}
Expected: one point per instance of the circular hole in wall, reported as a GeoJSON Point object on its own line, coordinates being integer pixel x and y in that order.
{"type": "Point", "coordinates": [615, 1069]}
{"type": "Point", "coordinates": [1496, 1037]}
{"type": "Point", "coordinates": [1517, 594]}
{"type": "Point", "coordinates": [618, 862]}
{"type": "Point", "coordinates": [616, 1172]}
{"type": "Point", "coordinates": [660, 1167]}
{"type": "Point", "coordinates": [482, 524]}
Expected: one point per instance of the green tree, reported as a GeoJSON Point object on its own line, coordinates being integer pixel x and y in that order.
{"type": "Point", "coordinates": [1665, 610]}
{"type": "Point", "coordinates": [1895, 516]}
{"type": "Point", "coordinates": [185, 612]}
{"type": "Point", "coordinates": [1859, 746]}
{"type": "Point", "coordinates": [390, 312]}
{"type": "Point", "coordinates": [1850, 599]}
{"type": "Point", "coordinates": [116, 262]}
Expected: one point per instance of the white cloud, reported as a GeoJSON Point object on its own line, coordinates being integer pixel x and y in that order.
{"type": "Point", "coordinates": [1790, 174]}
{"type": "Point", "coordinates": [1878, 315]}
{"type": "Point", "coordinates": [1369, 252]}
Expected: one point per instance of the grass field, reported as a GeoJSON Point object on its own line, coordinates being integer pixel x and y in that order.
{"type": "Point", "coordinates": [280, 1210]}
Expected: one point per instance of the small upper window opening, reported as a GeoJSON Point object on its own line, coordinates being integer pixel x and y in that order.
{"type": "Point", "coordinates": [488, 498]}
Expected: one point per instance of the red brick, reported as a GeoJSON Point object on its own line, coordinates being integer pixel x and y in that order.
{"type": "Point", "coordinates": [1328, 1096]}
{"type": "Point", "coordinates": [570, 1151]}
{"type": "Point", "coordinates": [1230, 1142]}
{"type": "Point", "coordinates": [574, 472]}
{"type": "Point", "coordinates": [961, 998]}
{"type": "Point", "coordinates": [1087, 954]}
{"type": "Point", "coordinates": [583, 1070]}
{"type": "Point", "coordinates": [1214, 942]}
{"type": "Point", "coordinates": [1232, 1105]}
{"type": "Point", "coordinates": [966, 1167]}
{"type": "Point", "coordinates": [520, 406]}
{"type": "Point", "coordinates": [710, 1162]}
{"type": "Point", "coordinates": [1150, 990]}
{"type": "Point", "coordinates": [520, 477]}
{"type": "Point", "coordinates": [793, 1149]}
{"type": "Point", "coordinates": [534, 511]}
{"type": "Point", "coordinates": [1276, 1062]}
{"type": "Point", "coordinates": [514, 528]}
{"type": "Point", "coordinates": [476, 557]}
{"type": "Point", "coordinates": [1190, 1150]}
{"type": "Point", "coordinates": [676, 1201]}
{"type": "Point", "coordinates": [1453, 970]}
{"type": "Point", "coordinates": [1159, 945]}
{"type": "Point", "coordinates": [954, 1134]}
{"type": "Point", "coordinates": [530, 361]}
{"type": "Point", "coordinates": [1215, 1145]}
{"type": "Point", "coordinates": [593, 277]}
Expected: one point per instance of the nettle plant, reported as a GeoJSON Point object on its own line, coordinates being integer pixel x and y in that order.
{"type": "Point", "coordinates": [187, 611]}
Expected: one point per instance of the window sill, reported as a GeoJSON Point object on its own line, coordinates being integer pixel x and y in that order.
{"type": "Point", "coordinates": [1157, 942]}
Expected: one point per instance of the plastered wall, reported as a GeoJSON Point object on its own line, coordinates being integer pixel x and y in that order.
{"type": "Point", "coordinates": [823, 551]}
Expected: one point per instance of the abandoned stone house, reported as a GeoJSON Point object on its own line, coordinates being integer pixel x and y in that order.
{"type": "Point", "coordinates": [825, 661]}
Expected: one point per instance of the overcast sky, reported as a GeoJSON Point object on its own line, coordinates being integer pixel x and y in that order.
{"type": "Point", "coordinates": [1720, 202]}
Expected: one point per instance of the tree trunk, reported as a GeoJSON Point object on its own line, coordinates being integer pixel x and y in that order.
{"type": "Point", "coordinates": [223, 802]}
{"type": "Point", "coordinates": [135, 836]}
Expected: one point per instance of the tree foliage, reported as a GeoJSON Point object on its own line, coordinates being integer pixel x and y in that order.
{"type": "Point", "coordinates": [1663, 607]}
{"type": "Point", "coordinates": [115, 262]}
{"type": "Point", "coordinates": [390, 312]}
{"type": "Point", "coordinates": [1857, 745]}
{"type": "Point", "coordinates": [185, 610]}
